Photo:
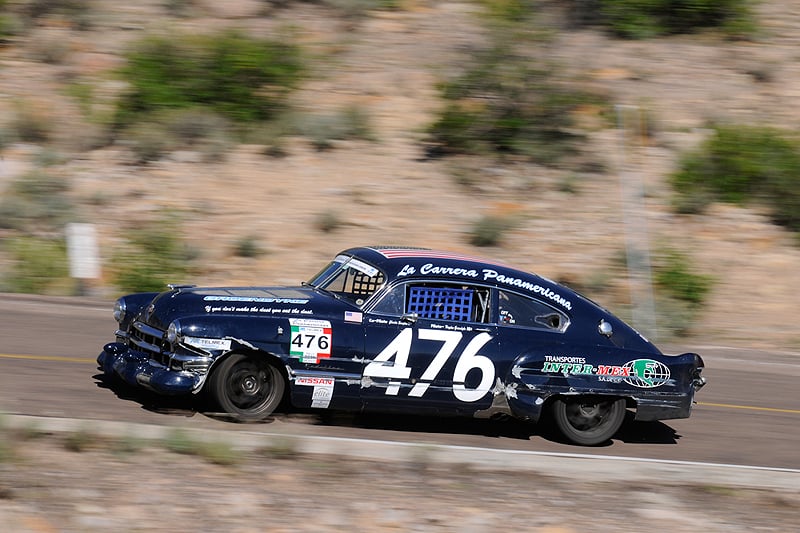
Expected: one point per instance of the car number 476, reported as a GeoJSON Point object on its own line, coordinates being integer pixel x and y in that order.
{"type": "Point", "coordinates": [400, 347]}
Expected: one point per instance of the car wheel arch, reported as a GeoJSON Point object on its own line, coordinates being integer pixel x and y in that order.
{"type": "Point", "coordinates": [587, 419]}
{"type": "Point", "coordinates": [212, 385]}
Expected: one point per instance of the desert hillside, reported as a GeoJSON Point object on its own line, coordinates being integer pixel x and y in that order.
{"type": "Point", "coordinates": [569, 223]}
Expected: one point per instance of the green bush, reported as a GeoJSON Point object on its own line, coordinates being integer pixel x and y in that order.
{"type": "Point", "coordinates": [241, 78]}
{"type": "Point", "coordinates": [510, 11]}
{"type": "Point", "coordinates": [77, 12]}
{"type": "Point", "coordinates": [148, 141]}
{"type": "Point", "coordinates": [503, 105]}
{"type": "Point", "coordinates": [153, 257]}
{"type": "Point", "coordinates": [327, 221]}
{"type": "Point", "coordinates": [639, 19]}
{"type": "Point", "coordinates": [192, 128]}
{"type": "Point", "coordinates": [31, 123]}
{"type": "Point", "coordinates": [740, 164]}
{"type": "Point", "coordinates": [36, 201]}
{"type": "Point", "coordinates": [216, 452]}
{"type": "Point", "coordinates": [38, 266]}
{"type": "Point", "coordinates": [674, 276]}
{"type": "Point", "coordinates": [489, 230]}
{"type": "Point", "coordinates": [7, 26]}
{"type": "Point", "coordinates": [248, 246]}
{"type": "Point", "coordinates": [81, 440]}
{"type": "Point", "coordinates": [351, 122]}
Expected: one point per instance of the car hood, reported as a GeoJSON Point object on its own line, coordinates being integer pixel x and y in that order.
{"type": "Point", "coordinates": [251, 301]}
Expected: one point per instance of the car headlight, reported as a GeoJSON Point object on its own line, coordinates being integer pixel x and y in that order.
{"type": "Point", "coordinates": [119, 310]}
{"type": "Point", "coordinates": [174, 332]}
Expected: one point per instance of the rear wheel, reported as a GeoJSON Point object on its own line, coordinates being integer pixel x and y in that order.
{"type": "Point", "coordinates": [588, 420]}
{"type": "Point", "coordinates": [246, 386]}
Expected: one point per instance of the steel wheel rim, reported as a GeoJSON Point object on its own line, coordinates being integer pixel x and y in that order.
{"type": "Point", "coordinates": [249, 385]}
{"type": "Point", "coordinates": [585, 416]}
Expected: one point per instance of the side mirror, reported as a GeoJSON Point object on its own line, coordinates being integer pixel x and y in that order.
{"type": "Point", "coordinates": [410, 318]}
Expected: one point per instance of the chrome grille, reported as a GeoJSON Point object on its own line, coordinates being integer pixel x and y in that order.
{"type": "Point", "coordinates": [149, 339]}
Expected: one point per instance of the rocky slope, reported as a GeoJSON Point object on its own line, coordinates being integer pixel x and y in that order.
{"type": "Point", "coordinates": [387, 63]}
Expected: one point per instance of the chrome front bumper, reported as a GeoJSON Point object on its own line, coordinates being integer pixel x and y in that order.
{"type": "Point", "coordinates": [138, 369]}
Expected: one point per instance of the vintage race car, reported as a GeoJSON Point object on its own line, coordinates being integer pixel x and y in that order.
{"type": "Point", "coordinates": [403, 330]}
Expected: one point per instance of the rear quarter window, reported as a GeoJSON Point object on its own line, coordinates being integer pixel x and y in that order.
{"type": "Point", "coordinates": [522, 311]}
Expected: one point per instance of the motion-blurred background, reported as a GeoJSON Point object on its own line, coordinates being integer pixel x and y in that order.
{"type": "Point", "coordinates": [644, 153]}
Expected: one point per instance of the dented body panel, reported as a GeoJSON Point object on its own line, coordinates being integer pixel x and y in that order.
{"type": "Point", "coordinates": [403, 330]}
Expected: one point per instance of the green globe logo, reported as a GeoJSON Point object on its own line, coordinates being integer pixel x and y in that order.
{"type": "Point", "coordinates": [646, 373]}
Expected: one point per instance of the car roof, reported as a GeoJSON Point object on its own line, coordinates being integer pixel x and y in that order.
{"type": "Point", "coordinates": [420, 263]}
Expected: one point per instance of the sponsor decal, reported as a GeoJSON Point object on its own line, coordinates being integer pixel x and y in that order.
{"type": "Point", "coordinates": [208, 344]}
{"type": "Point", "coordinates": [527, 285]}
{"type": "Point", "coordinates": [488, 274]}
{"type": "Point", "coordinates": [647, 373]}
{"type": "Point", "coordinates": [361, 266]}
{"type": "Point", "coordinates": [259, 309]}
{"type": "Point", "coordinates": [256, 299]}
{"type": "Point", "coordinates": [392, 363]}
{"type": "Point", "coordinates": [323, 390]}
{"type": "Point", "coordinates": [310, 339]}
{"type": "Point", "coordinates": [642, 373]}
{"type": "Point", "coordinates": [353, 316]}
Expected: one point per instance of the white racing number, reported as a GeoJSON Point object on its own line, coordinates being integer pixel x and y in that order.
{"type": "Point", "coordinates": [400, 347]}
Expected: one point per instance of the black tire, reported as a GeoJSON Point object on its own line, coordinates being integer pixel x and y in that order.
{"type": "Point", "coordinates": [588, 420]}
{"type": "Point", "coordinates": [247, 387]}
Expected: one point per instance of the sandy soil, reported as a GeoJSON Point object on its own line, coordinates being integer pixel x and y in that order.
{"type": "Point", "coordinates": [125, 485]}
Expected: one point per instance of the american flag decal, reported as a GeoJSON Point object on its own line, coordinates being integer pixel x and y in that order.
{"type": "Point", "coordinates": [353, 316]}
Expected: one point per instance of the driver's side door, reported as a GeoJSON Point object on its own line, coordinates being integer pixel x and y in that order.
{"type": "Point", "coordinates": [428, 350]}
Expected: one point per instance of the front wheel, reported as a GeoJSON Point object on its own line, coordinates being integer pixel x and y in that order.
{"type": "Point", "coordinates": [247, 387]}
{"type": "Point", "coordinates": [588, 420]}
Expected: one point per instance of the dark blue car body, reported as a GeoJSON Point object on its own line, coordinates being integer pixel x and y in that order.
{"type": "Point", "coordinates": [404, 330]}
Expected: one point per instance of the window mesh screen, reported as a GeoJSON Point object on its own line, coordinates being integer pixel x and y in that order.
{"type": "Point", "coordinates": [364, 285]}
{"type": "Point", "coordinates": [440, 303]}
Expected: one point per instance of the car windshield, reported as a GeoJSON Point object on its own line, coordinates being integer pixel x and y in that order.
{"type": "Point", "coordinates": [349, 278]}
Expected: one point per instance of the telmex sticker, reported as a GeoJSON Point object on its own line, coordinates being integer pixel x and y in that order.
{"type": "Point", "coordinates": [208, 344]}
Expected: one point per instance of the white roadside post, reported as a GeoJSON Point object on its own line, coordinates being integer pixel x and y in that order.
{"type": "Point", "coordinates": [84, 259]}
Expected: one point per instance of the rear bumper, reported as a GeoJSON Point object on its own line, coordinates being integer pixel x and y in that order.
{"type": "Point", "coordinates": [664, 407]}
{"type": "Point", "coordinates": [137, 369]}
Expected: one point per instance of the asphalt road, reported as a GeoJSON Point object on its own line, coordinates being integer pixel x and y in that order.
{"type": "Point", "coordinates": [748, 414]}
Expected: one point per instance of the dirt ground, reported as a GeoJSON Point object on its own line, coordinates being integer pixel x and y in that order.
{"type": "Point", "coordinates": [47, 486]}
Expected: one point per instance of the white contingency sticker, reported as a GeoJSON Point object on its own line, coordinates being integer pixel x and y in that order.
{"type": "Point", "coordinates": [323, 390]}
{"type": "Point", "coordinates": [208, 344]}
{"type": "Point", "coordinates": [310, 339]}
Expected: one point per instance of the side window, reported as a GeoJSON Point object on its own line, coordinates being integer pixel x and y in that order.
{"type": "Point", "coordinates": [442, 303]}
{"type": "Point", "coordinates": [355, 285]}
{"type": "Point", "coordinates": [392, 302]}
{"type": "Point", "coordinates": [518, 310]}
{"type": "Point", "coordinates": [460, 303]}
